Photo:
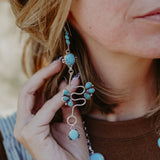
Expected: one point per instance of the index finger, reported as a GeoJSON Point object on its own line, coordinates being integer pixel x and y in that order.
{"type": "Point", "coordinates": [27, 97]}
{"type": "Point", "coordinates": [39, 78]}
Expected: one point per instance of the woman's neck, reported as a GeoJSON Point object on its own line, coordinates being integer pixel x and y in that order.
{"type": "Point", "coordinates": [131, 74]}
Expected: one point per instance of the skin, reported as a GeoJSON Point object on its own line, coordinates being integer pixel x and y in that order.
{"type": "Point", "coordinates": [34, 132]}
{"type": "Point", "coordinates": [121, 48]}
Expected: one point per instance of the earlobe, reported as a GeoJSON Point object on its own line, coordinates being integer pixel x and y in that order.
{"type": "Point", "coordinates": [69, 17]}
{"type": "Point", "coordinates": [69, 14]}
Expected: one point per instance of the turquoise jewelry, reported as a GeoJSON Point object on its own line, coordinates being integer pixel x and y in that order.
{"type": "Point", "coordinates": [69, 101]}
{"type": "Point", "coordinates": [89, 90]}
{"type": "Point", "coordinates": [158, 142]}
{"type": "Point", "coordinates": [92, 155]}
{"type": "Point", "coordinates": [68, 98]}
{"type": "Point", "coordinates": [69, 58]}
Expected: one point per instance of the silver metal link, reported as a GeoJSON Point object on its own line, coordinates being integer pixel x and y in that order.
{"type": "Point", "coordinates": [91, 151]}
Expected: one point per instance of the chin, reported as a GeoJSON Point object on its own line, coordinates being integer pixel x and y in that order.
{"type": "Point", "coordinates": [149, 54]}
{"type": "Point", "coordinates": [146, 49]}
{"type": "Point", "coordinates": [152, 53]}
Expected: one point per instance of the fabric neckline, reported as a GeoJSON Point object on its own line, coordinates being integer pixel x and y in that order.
{"type": "Point", "coordinates": [120, 129]}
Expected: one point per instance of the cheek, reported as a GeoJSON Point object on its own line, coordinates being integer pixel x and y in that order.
{"type": "Point", "coordinates": [98, 15]}
{"type": "Point", "coordinates": [105, 21]}
{"type": "Point", "coordinates": [102, 20]}
{"type": "Point", "coordinates": [127, 37]}
{"type": "Point", "coordinates": [137, 38]}
{"type": "Point", "coordinates": [110, 33]}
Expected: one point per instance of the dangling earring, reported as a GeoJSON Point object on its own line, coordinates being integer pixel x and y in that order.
{"type": "Point", "coordinates": [67, 97]}
{"type": "Point", "coordinates": [69, 58]}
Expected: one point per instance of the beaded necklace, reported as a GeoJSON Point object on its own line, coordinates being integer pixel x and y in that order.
{"type": "Point", "coordinates": [99, 156]}
{"type": "Point", "coordinates": [92, 154]}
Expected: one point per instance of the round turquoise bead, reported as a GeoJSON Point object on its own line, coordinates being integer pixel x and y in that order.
{"type": "Point", "coordinates": [73, 134]}
{"type": "Point", "coordinates": [96, 156]}
{"type": "Point", "coordinates": [68, 42]}
{"type": "Point", "coordinates": [87, 96]}
{"type": "Point", "coordinates": [88, 85]}
{"type": "Point", "coordinates": [70, 103]}
{"type": "Point", "coordinates": [65, 99]}
{"type": "Point", "coordinates": [159, 142]}
{"type": "Point", "coordinates": [66, 33]}
{"type": "Point", "coordinates": [66, 37]}
{"type": "Point", "coordinates": [91, 90]}
{"type": "Point", "coordinates": [65, 92]}
{"type": "Point", "coordinates": [69, 59]}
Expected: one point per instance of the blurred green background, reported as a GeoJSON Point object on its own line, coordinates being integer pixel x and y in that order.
{"type": "Point", "coordinates": [11, 74]}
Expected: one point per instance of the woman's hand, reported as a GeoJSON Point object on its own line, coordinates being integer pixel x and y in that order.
{"type": "Point", "coordinates": [45, 142]}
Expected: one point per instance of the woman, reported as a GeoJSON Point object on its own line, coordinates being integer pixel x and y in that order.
{"type": "Point", "coordinates": [117, 48]}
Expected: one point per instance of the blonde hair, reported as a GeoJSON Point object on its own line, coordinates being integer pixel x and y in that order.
{"type": "Point", "coordinates": [44, 21]}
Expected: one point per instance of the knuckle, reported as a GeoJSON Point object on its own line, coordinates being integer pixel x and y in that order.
{"type": "Point", "coordinates": [24, 87]}
{"type": "Point", "coordinates": [23, 136]}
{"type": "Point", "coordinates": [16, 134]}
{"type": "Point", "coordinates": [50, 104]}
{"type": "Point", "coordinates": [42, 71]}
{"type": "Point", "coordinates": [26, 134]}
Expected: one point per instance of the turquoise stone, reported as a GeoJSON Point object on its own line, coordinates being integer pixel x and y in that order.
{"type": "Point", "coordinates": [159, 142]}
{"type": "Point", "coordinates": [66, 37]}
{"type": "Point", "coordinates": [68, 42]}
{"type": "Point", "coordinates": [87, 96]}
{"type": "Point", "coordinates": [96, 156]}
{"type": "Point", "coordinates": [73, 134]}
{"type": "Point", "coordinates": [67, 33]}
{"type": "Point", "coordinates": [65, 92]}
{"type": "Point", "coordinates": [70, 103]}
{"type": "Point", "coordinates": [91, 90]}
{"type": "Point", "coordinates": [69, 59]}
{"type": "Point", "coordinates": [88, 85]}
{"type": "Point", "coordinates": [65, 98]}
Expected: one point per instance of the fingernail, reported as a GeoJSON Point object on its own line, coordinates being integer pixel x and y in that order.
{"type": "Point", "coordinates": [75, 78]}
{"type": "Point", "coordinates": [65, 79]}
{"type": "Point", "coordinates": [57, 60]}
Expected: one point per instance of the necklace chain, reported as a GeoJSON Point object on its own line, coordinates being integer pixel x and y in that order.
{"type": "Point", "coordinates": [91, 151]}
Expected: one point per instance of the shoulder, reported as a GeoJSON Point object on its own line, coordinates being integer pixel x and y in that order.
{"type": "Point", "coordinates": [14, 150]}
